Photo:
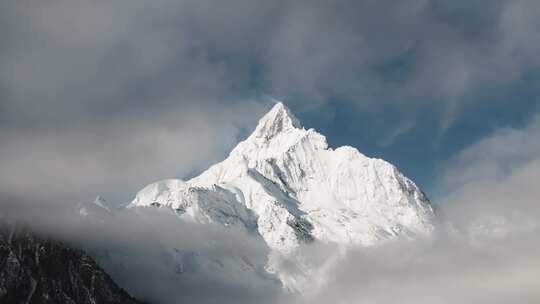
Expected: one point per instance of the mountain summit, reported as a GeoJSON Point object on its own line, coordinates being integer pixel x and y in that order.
{"type": "Point", "coordinates": [278, 119]}
{"type": "Point", "coordinates": [284, 183]}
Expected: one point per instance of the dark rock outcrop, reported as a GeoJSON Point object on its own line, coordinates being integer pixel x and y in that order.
{"type": "Point", "coordinates": [37, 270]}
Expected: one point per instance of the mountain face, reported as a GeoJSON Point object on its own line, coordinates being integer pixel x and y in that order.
{"type": "Point", "coordinates": [284, 183]}
{"type": "Point", "coordinates": [283, 196]}
{"type": "Point", "coordinates": [35, 270]}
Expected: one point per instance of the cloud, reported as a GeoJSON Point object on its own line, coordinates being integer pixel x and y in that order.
{"type": "Point", "coordinates": [494, 157]}
{"type": "Point", "coordinates": [483, 250]}
{"type": "Point", "coordinates": [490, 185]}
{"type": "Point", "coordinates": [444, 270]}
{"type": "Point", "coordinates": [157, 257]}
{"type": "Point", "coordinates": [118, 156]}
{"type": "Point", "coordinates": [484, 247]}
{"type": "Point", "coordinates": [74, 71]}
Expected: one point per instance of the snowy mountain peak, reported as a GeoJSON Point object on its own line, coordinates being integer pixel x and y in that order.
{"type": "Point", "coordinates": [278, 119]}
{"type": "Point", "coordinates": [286, 175]}
{"type": "Point", "coordinates": [97, 208]}
{"type": "Point", "coordinates": [286, 185]}
{"type": "Point", "coordinates": [276, 133]}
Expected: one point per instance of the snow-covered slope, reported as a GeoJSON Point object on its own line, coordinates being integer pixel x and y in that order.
{"type": "Point", "coordinates": [286, 184]}
{"type": "Point", "coordinates": [97, 209]}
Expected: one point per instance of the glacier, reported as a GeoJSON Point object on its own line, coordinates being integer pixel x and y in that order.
{"type": "Point", "coordinates": [287, 186]}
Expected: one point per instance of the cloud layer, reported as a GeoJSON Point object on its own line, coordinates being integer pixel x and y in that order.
{"type": "Point", "coordinates": [483, 250]}
{"type": "Point", "coordinates": [97, 87]}
{"type": "Point", "coordinates": [485, 245]}
{"type": "Point", "coordinates": [117, 157]}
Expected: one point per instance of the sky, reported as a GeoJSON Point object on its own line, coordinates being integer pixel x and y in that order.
{"type": "Point", "coordinates": [101, 98]}
{"type": "Point", "coordinates": [104, 97]}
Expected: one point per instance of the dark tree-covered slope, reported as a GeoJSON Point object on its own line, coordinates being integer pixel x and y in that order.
{"type": "Point", "coordinates": [37, 270]}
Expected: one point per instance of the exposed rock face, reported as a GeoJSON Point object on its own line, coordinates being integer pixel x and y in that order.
{"type": "Point", "coordinates": [35, 270]}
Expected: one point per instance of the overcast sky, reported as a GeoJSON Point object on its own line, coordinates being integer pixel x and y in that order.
{"type": "Point", "coordinates": [103, 97]}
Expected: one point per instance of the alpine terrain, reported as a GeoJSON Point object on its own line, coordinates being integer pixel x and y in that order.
{"type": "Point", "coordinates": [286, 185]}
{"type": "Point", "coordinates": [38, 270]}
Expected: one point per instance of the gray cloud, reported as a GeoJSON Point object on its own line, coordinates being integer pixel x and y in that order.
{"type": "Point", "coordinates": [444, 270]}
{"type": "Point", "coordinates": [157, 257]}
{"type": "Point", "coordinates": [484, 249]}
{"type": "Point", "coordinates": [494, 158]}
{"type": "Point", "coordinates": [493, 182]}
{"type": "Point", "coordinates": [118, 156]}
{"type": "Point", "coordinates": [74, 72]}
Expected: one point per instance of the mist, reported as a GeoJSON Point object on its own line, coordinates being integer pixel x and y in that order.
{"type": "Point", "coordinates": [484, 249]}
